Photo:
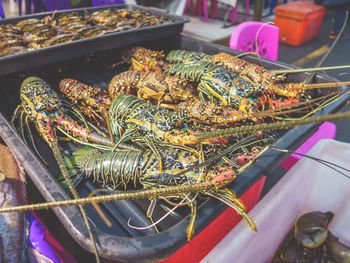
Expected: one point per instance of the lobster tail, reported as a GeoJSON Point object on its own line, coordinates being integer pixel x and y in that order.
{"type": "Point", "coordinates": [146, 118]}
{"type": "Point", "coordinates": [124, 83]}
{"type": "Point", "coordinates": [184, 56]}
{"type": "Point", "coordinates": [209, 113]}
{"type": "Point", "coordinates": [192, 71]}
{"type": "Point", "coordinates": [251, 72]}
{"type": "Point", "coordinates": [109, 168]}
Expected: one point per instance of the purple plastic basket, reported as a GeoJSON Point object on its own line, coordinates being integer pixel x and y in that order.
{"type": "Point", "coordinates": [2, 13]}
{"type": "Point", "coordinates": [51, 5]}
{"type": "Point", "coordinates": [107, 2]}
{"type": "Point", "coordinates": [37, 239]}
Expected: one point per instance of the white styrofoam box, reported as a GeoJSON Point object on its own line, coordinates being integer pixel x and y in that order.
{"type": "Point", "coordinates": [308, 186]}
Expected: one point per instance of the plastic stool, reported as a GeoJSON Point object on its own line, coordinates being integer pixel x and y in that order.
{"type": "Point", "coordinates": [2, 13]}
{"type": "Point", "coordinates": [214, 7]}
{"type": "Point", "coordinates": [234, 12]}
{"type": "Point", "coordinates": [327, 130]}
{"type": "Point", "coordinates": [266, 36]}
{"type": "Point", "coordinates": [31, 6]}
{"type": "Point", "coordinates": [193, 9]}
{"type": "Point", "coordinates": [202, 5]}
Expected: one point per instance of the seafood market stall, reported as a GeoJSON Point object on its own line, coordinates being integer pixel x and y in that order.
{"type": "Point", "coordinates": [95, 61]}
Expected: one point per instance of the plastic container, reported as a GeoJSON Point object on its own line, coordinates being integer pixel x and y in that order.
{"type": "Point", "coordinates": [299, 21]}
{"type": "Point", "coordinates": [308, 186]}
{"type": "Point", "coordinates": [82, 47]}
{"type": "Point", "coordinates": [327, 130]}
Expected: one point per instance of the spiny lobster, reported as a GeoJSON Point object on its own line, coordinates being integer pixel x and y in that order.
{"type": "Point", "coordinates": [142, 59]}
{"type": "Point", "coordinates": [151, 86]}
{"type": "Point", "coordinates": [89, 99]}
{"type": "Point", "coordinates": [251, 72]}
{"type": "Point", "coordinates": [254, 74]}
{"type": "Point", "coordinates": [141, 168]}
{"type": "Point", "coordinates": [41, 105]}
{"type": "Point", "coordinates": [128, 112]}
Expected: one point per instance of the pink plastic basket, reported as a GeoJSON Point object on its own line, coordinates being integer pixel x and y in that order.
{"type": "Point", "coordinates": [327, 130]}
{"type": "Point", "coordinates": [257, 37]}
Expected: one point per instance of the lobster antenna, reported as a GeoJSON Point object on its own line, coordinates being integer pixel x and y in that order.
{"type": "Point", "coordinates": [245, 142]}
{"type": "Point", "coordinates": [288, 108]}
{"type": "Point", "coordinates": [288, 71]}
{"type": "Point", "coordinates": [129, 195]}
{"type": "Point", "coordinates": [324, 162]}
{"type": "Point", "coordinates": [313, 73]}
{"type": "Point", "coordinates": [317, 68]}
{"type": "Point", "coordinates": [271, 126]}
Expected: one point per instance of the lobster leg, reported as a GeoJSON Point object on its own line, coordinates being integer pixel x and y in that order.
{"type": "Point", "coordinates": [19, 114]}
{"type": "Point", "coordinates": [191, 224]}
{"type": "Point", "coordinates": [156, 153]}
{"type": "Point", "coordinates": [24, 123]}
{"type": "Point", "coordinates": [81, 132]}
{"type": "Point", "coordinates": [32, 141]}
{"type": "Point", "coordinates": [150, 210]}
{"type": "Point", "coordinates": [109, 128]}
{"type": "Point", "coordinates": [44, 126]}
{"type": "Point", "coordinates": [237, 208]}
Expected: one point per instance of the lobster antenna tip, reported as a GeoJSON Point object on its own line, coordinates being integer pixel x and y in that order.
{"type": "Point", "coordinates": [298, 70]}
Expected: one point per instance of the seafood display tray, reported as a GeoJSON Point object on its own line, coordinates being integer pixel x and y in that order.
{"type": "Point", "coordinates": [82, 47]}
{"type": "Point", "coordinates": [120, 242]}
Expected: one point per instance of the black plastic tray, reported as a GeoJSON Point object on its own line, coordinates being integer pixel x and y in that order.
{"type": "Point", "coordinates": [77, 48]}
{"type": "Point", "coordinates": [120, 242]}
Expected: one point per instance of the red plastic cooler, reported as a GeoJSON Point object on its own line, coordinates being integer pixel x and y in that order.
{"type": "Point", "coordinates": [299, 21]}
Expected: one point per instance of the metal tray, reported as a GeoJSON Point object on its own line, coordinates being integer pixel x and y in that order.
{"type": "Point", "coordinates": [77, 48]}
{"type": "Point", "coordinates": [120, 242]}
